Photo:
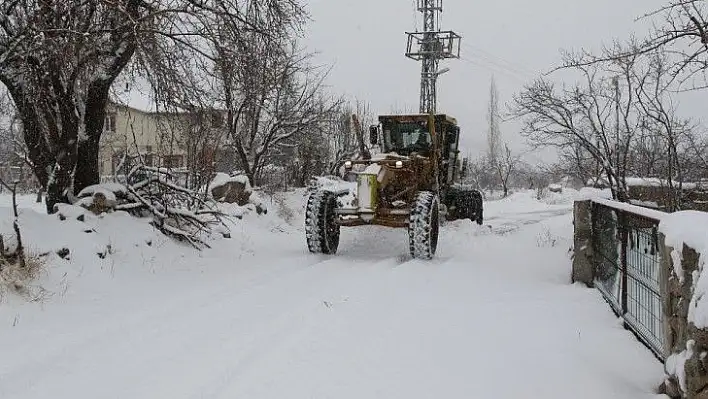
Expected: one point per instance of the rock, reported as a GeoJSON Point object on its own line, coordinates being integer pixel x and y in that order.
{"type": "Point", "coordinates": [102, 202]}
{"type": "Point", "coordinates": [66, 211]}
{"type": "Point", "coordinates": [670, 388]}
{"type": "Point", "coordinates": [232, 191]}
{"type": "Point", "coordinates": [682, 335]}
{"type": "Point", "coordinates": [64, 253]}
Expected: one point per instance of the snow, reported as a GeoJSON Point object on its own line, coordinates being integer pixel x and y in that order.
{"type": "Point", "coordinates": [637, 210]}
{"type": "Point", "coordinates": [675, 364]}
{"type": "Point", "coordinates": [656, 182]}
{"type": "Point", "coordinates": [387, 155]}
{"type": "Point", "coordinates": [258, 317]}
{"type": "Point", "coordinates": [107, 189]}
{"type": "Point", "coordinates": [337, 185]}
{"type": "Point", "coordinates": [689, 228]}
{"type": "Point", "coordinates": [372, 169]}
{"type": "Point", "coordinates": [222, 178]}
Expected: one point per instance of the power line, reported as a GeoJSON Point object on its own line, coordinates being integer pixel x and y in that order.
{"type": "Point", "coordinates": [498, 69]}
{"type": "Point", "coordinates": [500, 60]}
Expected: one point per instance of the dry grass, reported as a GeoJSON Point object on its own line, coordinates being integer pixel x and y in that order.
{"type": "Point", "coordinates": [284, 210]}
{"type": "Point", "coordinates": [546, 239]}
{"type": "Point", "coordinates": [17, 280]}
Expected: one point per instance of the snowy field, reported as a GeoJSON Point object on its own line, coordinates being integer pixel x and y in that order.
{"type": "Point", "coordinates": [131, 314]}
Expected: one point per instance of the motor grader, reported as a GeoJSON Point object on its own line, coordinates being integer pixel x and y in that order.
{"type": "Point", "coordinates": [409, 184]}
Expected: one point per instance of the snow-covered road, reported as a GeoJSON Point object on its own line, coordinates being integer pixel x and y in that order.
{"type": "Point", "coordinates": [492, 316]}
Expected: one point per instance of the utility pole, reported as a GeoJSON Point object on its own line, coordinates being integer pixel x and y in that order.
{"type": "Point", "coordinates": [430, 46]}
{"type": "Point", "coordinates": [619, 172]}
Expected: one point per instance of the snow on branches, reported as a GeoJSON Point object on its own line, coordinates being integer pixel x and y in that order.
{"type": "Point", "coordinates": [152, 192]}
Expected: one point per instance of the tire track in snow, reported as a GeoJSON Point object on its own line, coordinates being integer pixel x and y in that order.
{"type": "Point", "coordinates": [283, 309]}
{"type": "Point", "coordinates": [134, 326]}
{"type": "Point", "coordinates": [297, 324]}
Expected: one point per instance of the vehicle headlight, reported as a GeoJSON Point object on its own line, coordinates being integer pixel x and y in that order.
{"type": "Point", "coordinates": [399, 164]}
{"type": "Point", "coordinates": [348, 164]}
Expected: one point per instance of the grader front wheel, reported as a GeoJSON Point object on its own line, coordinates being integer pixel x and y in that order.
{"type": "Point", "coordinates": [321, 228]}
{"type": "Point", "coordinates": [424, 226]}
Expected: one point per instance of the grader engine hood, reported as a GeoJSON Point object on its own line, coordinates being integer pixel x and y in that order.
{"type": "Point", "coordinates": [386, 182]}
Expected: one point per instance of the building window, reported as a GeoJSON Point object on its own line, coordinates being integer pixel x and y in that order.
{"type": "Point", "coordinates": [109, 125]}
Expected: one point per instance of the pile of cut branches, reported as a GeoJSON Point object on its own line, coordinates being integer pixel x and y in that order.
{"type": "Point", "coordinates": [154, 192]}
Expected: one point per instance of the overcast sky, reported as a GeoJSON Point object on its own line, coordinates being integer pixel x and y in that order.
{"type": "Point", "coordinates": [514, 40]}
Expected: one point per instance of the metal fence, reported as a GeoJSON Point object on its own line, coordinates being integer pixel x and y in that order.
{"type": "Point", "coordinates": [628, 269]}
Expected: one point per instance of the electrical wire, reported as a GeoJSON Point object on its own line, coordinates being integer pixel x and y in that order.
{"type": "Point", "coordinates": [497, 69]}
{"type": "Point", "coordinates": [499, 60]}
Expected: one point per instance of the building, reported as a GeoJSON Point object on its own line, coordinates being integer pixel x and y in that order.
{"type": "Point", "coordinates": [196, 142]}
{"type": "Point", "coordinates": [130, 134]}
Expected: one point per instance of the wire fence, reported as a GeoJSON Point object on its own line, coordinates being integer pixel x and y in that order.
{"type": "Point", "coordinates": [628, 269]}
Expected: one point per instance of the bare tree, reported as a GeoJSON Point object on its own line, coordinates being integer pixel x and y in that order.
{"type": "Point", "coordinates": [577, 162]}
{"type": "Point", "coordinates": [346, 135]}
{"type": "Point", "coordinates": [58, 60]}
{"type": "Point", "coordinates": [505, 166]}
{"type": "Point", "coordinates": [684, 33]}
{"type": "Point", "coordinates": [494, 147]}
{"type": "Point", "coordinates": [598, 115]}
{"type": "Point", "coordinates": [277, 97]}
{"type": "Point", "coordinates": [668, 135]}
{"type": "Point", "coordinates": [480, 173]}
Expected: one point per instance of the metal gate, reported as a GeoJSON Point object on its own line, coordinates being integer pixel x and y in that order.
{"type": "Point", "coordinates": [627, 262]}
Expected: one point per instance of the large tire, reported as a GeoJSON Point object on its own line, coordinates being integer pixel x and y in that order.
{"type": "Point", "coordinates": [321, 227]}
{"type": "Point", "coordinates": [424, 225]}
{"type": "Point", "coordinates": [464, 203]}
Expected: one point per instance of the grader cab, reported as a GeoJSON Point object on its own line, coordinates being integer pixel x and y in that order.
{"type": "Point", "coordinates": [410, 184]}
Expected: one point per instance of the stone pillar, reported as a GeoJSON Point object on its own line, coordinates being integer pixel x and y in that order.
{"type": "Point", "coordinates": [583, 267]}
{"type": "Point", "coordinates": [683, 339]}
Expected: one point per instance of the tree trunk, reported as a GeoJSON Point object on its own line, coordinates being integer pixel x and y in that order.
{"type": "Point", "coordinates": [87, 167]}
{"type": "Point", "coordinates": [60, 185]}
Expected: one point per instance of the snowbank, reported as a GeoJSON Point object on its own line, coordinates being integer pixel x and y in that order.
{"type": "Point", "coordinates": [257, 316]}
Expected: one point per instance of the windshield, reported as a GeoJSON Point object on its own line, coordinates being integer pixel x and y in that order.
{"type": "Point", "coordinates": [404, 138]}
